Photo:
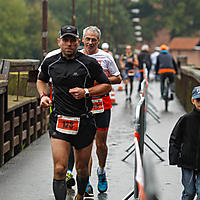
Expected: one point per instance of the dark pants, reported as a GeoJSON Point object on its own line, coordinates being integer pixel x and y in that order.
{"type": "Point", "coordinates": [163, 76]}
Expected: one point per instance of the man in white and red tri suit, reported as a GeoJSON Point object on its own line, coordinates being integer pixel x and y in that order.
{"type": "Point", "coordinates": [101, 104]}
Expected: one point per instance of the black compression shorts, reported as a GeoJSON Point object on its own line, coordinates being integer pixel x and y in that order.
{"type": "Point", "coordinates": [85, 136]}
{"type": "Point", "coordinates": [103, 120]}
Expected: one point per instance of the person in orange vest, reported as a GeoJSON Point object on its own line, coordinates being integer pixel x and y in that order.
{"type": "Point", "coordinates": [166, 67]}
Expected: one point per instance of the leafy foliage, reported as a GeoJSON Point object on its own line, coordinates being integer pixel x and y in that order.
{"type": "Point", "coordinates": [21, 22]}
{"type": "Point", "coordinates": [20, 29]}
{"type": "Point", "coordinates": [180, 17]}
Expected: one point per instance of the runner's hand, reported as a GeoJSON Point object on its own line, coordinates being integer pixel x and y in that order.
{"type": "Point", "coordinates": [77, 93]}
{"type": "Point", "coordinates": [45, 102]}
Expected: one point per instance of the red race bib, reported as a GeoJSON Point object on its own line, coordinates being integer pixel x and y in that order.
{"type": "Point", "coordinates": [68, 125]}
{"type": "Point", "coordinates": [97, 106]}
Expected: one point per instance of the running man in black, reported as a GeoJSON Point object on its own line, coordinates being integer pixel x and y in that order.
{"type": "Point", "coordinates": [128, 62]}
{"type": "Point", "coordinates": [71, 123]}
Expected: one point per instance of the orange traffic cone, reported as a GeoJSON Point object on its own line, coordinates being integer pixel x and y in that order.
{"type": "Point", "coordinates": [112, 97]}
{"type": "Point", "coordinates": [120, 88]}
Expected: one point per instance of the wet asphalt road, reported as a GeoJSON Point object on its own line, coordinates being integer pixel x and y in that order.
{"type": "Point", "coordinates": [28, 176]}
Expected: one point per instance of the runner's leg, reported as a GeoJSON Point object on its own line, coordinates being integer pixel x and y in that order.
{"type": "Point", "coordinates": [69, 176]}
{"type": "Point", "coordinates": [60, 152]}
{"type": "Point", "coordinates": [102, 149]}
{"type": "Point", "coordinates": [82, 157]}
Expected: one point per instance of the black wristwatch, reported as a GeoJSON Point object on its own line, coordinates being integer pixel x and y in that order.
{"type": "Point", "coordinates": [87, 94]}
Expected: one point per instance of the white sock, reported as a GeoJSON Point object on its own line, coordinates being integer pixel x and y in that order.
{"type": "Point", "coordinates": [101, 170]}
{"type": "Point", "coordinates": [69, 171]}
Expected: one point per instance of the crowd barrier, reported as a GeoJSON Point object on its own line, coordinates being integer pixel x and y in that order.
{"type": "Point", "coordinates": [22, 120]}
{"type": "Point", "coordinates": [141, 189]}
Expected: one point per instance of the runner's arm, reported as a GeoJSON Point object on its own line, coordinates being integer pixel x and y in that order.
{"type": "Point", "coordinates": [121, 62]}
{"type": "Point", "coordinates": [100, 89]}
{"type": "Point", "coordinates": [115, 79]}
{"type": "Point", "coordinates": [136, 62]}
{"type": "Point", "coordinates": [42, 88]}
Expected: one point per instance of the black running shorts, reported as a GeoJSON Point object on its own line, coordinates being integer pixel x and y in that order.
{"type": "Point", "coordinates": [103, 120]}
{"type": "Point", "coordinates": [84, 137]}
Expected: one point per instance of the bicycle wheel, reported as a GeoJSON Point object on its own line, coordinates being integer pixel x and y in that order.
{"type": "Point", "coordinates": [166, 93]}
{"type": "Point", "coordinates": [166, 104]}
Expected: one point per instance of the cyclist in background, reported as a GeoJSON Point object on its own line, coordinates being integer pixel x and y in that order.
{"type": "Point", "coordinates": [166, 67]}
{"type": "Point", "coordinates": [128, 62]}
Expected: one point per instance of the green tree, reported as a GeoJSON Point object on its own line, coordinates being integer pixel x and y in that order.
{"type": "Point", "coordinates": [34, 33]}
{"type": "Point", "coordinates": [13, 15]}
{"type": "Point", "coordinates": [180, 17]}
{"type": "Point", "coordinates": [118, 31]}
{"type": "Point", "coordinates": [21, 27]}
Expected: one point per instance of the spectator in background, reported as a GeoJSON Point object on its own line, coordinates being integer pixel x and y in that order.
{"type": "Point", "coordinates": [105, 47]}
{"type": "Point", "coordinates": [154, 60]}
{"type": "Point", "coordinates": [144, 62]}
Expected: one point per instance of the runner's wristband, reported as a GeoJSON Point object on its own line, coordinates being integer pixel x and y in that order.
{"type": "Point", "coordinates": [43, 95]}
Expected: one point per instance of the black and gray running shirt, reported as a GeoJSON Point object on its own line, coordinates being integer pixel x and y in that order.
{"type": "Point", "coordinates": [64, 74]}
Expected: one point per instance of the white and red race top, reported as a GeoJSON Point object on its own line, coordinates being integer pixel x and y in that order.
{"type": "Point", "coordinates": [110, 69]}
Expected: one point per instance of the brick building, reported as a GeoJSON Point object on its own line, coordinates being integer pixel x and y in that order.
{"type": "Point", "coordinates": [186, 49]}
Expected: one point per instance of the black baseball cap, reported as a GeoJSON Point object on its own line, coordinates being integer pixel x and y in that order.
{"type": "Point", "coordinates": [68, 30]}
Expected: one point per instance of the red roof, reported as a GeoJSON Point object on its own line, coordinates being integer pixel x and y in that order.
{"type": "Point", "coordinates": [183, 43]}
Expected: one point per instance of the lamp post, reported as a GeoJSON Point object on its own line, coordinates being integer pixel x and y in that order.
{"type": "Point", "coordinates": [91, 11]}
{"type": "Point", "coordinates": [104, 23]}
{"type": "Point", "coordinates": [44, 27]}
{"type": "Point", "coordinates": [137, 27]}
{"type": "Point", "coordinates": [135, 11]}
{"type": "Point", "coordinates": [98, 13]}
{"type": "Point", "coordinates": [136, 19]}
{"type": "Point", "coordinates": [73, 13]}
{"type": "Point", "coordinates": [138, 33]}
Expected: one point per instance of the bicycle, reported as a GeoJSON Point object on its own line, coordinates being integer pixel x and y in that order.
{"type": "Point", "coordinates": [166, 93]}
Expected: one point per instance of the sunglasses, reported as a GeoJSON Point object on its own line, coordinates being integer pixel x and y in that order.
{"type": "Point", "coordinates": [198, 99]}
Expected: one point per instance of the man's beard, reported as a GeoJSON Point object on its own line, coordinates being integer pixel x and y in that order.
{"type": "Point", "coordinates": [70, 56]}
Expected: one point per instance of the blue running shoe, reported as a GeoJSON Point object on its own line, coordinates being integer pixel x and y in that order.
{"type": "Point", "coordinates": [89, 190]}
{"type": "Point", "coordinates": [102, 182]}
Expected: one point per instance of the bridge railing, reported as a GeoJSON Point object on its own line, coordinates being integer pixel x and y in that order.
{"type": "Point", "coordinates": [21, 119]}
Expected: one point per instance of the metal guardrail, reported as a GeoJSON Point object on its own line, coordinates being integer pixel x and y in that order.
{"type": "Point", "coordinates": [140, 133]}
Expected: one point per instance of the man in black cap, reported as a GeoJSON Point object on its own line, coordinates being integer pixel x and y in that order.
{"type": "Point", "coordinates": [71, 123]}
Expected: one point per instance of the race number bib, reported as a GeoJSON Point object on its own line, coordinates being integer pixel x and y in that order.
{"type": "Point", "coordinates": [97, 106]}
{"type": "Point", "coordinates": [68, 125]}
{"type": "Point", "coordinates": [131, 72]}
